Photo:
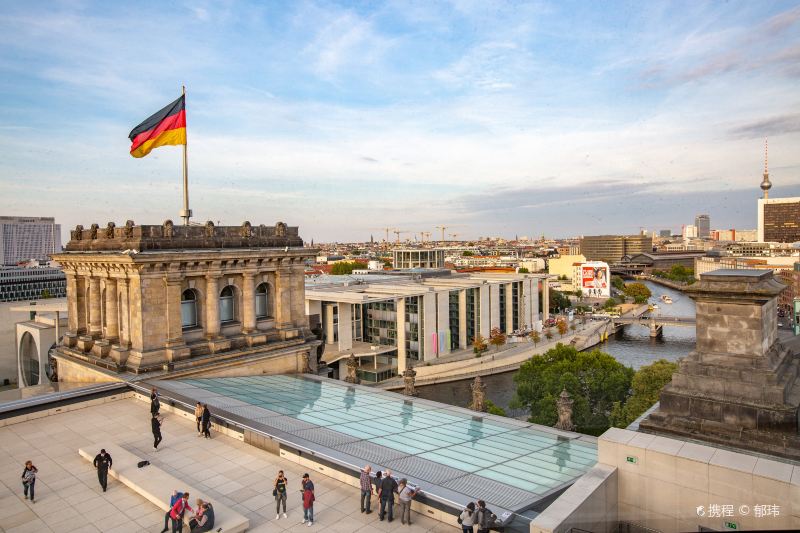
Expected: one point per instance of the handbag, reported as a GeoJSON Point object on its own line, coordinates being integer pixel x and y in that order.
{"type": "Point", "coordinates": [274, 492]}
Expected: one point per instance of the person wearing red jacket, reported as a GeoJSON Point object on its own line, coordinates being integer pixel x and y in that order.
{"type": "Point", "coordinates": [308, 501]}
{"type": "Point", "coordinates": [176, 513]}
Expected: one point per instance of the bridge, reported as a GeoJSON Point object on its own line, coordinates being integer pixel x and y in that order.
{"type": "Point", "coordinates": [656, 323]}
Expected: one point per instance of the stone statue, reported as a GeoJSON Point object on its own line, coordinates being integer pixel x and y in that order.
{"type": "Point", "coordinates": [478, 395]}
{"type": "Point", "coordinates": [352, 370]}
{"type": "Point", "coordinates": [93, 231]}
{"type": "Point", "coordinates": [280, 229]}
{"type": "Point", "coordinates": [246, 229]}
{"type": "Point", "coordinates": [564, 406]}
{"type": "Point", "coordinates": [168, 229]}
{"type": "Point", "coordinates": [110, 230]}
{"type": "Point", "coordinates": [408, 381]}
{"type": "Point", "coordinates": [129, 229]}
{"type": "Point", "coordinates": [78, 233]}
{"type": "Point", "coordinates": [209, 229]}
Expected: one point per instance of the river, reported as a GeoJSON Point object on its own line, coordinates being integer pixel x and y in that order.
{"type": "Point", "coordinates": [632, 347]}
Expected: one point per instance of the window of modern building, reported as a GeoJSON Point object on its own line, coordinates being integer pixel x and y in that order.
{"type": "Point", "coordinates": [189, 308]}
{"type": "Point", "coordinates": [226, 305]}
{"type": "Point", "coordinates": [262, 301]}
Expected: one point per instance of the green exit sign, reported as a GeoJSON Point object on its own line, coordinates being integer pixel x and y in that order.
{"type": "Point", "coordinates": [632, 459]}
{"type": "Point", "coordinates": [731, 525]}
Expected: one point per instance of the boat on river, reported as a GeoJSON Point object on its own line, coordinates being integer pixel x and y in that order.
{"type": "Point", "coordinates": [666, 299]}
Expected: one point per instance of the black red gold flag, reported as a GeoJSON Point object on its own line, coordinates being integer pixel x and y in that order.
{"type": "Point", "coordinates": [166, 127]}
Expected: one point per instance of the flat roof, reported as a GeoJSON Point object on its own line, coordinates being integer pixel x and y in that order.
{"type": "Point", "coordinates": [455, 455]}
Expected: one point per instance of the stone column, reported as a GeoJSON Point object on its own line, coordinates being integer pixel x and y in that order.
{"type": "Point", "coordinates": [509, 325]}
{"type": "Point", "coordinates": [463, 341]}
{"type": "Point", "coordinates": [124, 314]}
{"type": "Point", "coordinates": [112, 314]}
{"type": "Point", "coordinates": [95, 326]}
{"type": "Point", "coordinates": [400, 306]}
{"type": "Point", "coordinates": [248, 302]}
{"type": "Point", "coordinates": [283, 298]}
{"type": "Point", "coordinates": [73, 319]}
{"type": "Point", "coordinates": [483, 311]}
{"type": "Point", "coordinates": [545, 300]}
{"type": "Point", "coordinates": [173, 291]}
{"type": "Point", "coordinates": [299, 317]}
{"type": "Point", "coordinates": [212, 305]}
{"type": "Point", "coordinates": [494, 306]}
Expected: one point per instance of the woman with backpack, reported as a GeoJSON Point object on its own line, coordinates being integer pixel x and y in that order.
{"type": "Point", "coordinates": [279, 491]}
{"type": "Point", "coordinates": [467, 518]}
{"type": "Point", "coordinates": [484, 518]}
{"type": "Point", "coordinates": [29, 479]}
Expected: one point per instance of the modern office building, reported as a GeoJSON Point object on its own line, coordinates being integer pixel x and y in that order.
{"type": "Point", "coordinates": [31, 283]}
{"type": "Point", "coordinates": [24, 238]}
{"type": "Point", "coordinates": [665, 233]}
{"type": "Point", "coordinates": [418, 258]}
{"type": "Point", "coordinates": [611, 248]}
{"type": "Point", "coordinates": [388, 320]}
{"type": "Point", "coordinates": [703, 223]}
{"type": "Point", "coordinates": [779, 219]}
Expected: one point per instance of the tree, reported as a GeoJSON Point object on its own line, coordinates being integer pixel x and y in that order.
{"type": "Point", "coordinates": [493, 409]}
{"type": "Point", "coordinates": [347, 267]}
{"type": "Point", "coordinates": [548, 333]}
{"type": "Point", "coordinates": [561, 326]}
{"type": "Point", "coordinates": [638, 291]}
{"type": "Point", "coordinates": [617, 283]}
{"type": "Point", "coordinates": [46, 294]}
{"type": "Point", "coordinates": [558, 301]}
{"type": "Point", "coordinates": [579, 294]}
{"type": "Point", "coordinates": [523, 270]}
{"type": "Point", "coordinates": [611, 303]}
{"type": "Point", "coordinates": [535, 337]}
{"type": "Point", "coordinates": [646, 388]}
{"type": "Point", "coordinates": [595, 380]}
{"type": "Point", "coordinates": [479, 344]}
{"type": "Point", "coordinates": [572, 327]}
{"type": "Point", "coordinates": [497, 338]}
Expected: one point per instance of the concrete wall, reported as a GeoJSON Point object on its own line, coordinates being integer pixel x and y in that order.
{"type": "Point", "coordinates": [663, 482]}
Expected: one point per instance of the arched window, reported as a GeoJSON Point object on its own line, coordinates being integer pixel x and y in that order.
{"type": "Point", "coordinates": [226, 305]}
{"type": "Point", "coordinates": [262, 301]}
{"type": "Point", "coordinates": [189, 308]}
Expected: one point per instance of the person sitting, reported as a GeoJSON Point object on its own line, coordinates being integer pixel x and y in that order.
{"type": "Point", "coordinates": [206, 521]}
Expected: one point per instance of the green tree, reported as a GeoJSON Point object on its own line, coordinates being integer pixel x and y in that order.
{"type": "Point", "coordinates": [573, 327]}
{"type": "Point", "coordinates": [522, 270]}
{"type": "Point", "coordinates": [558, 300]}
{"type": "Point", "coordinates": [497, 338]}
{"type": "Point", "coordinates": [347, 267]}
{"type": "Point", "coordinates": [646, 388]}
{"type": "Point", "coordinates": [617, 283]}
{"type": "Point", "coordinates": [493, 409]}
{"type": "Point", "coordinates": [595, 380]}
{"type": "Point", "coordinates": [535, 337]}
{"type": "Point", "coordinates": [638, 291]}
{"type": "Point", "coordinates": [611, 303]}
{"type": "Point", "coordinates": [46, 294]}
{"type": "Point", "coordinates": [579, 294]}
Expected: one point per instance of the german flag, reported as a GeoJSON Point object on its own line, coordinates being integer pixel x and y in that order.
{"type": "Point", "coordinates": [167, 126]}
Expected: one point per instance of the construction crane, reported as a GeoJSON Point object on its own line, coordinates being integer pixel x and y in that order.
{"type": "Point", "coordinates": [442, 228]}
{"type": "Point", "coordinates": [425, 234]}
{"type": "Point", "coordinates": [397, 232]}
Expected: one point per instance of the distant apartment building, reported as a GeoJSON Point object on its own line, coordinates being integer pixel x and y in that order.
{"type": "Point", "coordinates": [746, 235]}
{"type": "Point", "coordinates": [665, 233]}
{"type": "Point", "coordinates": [689, 231]}
{"type": "Point", "coordinates": [611, 248]}
{"type": "Point", "coordinates": [418, 258]}
{"type": "Point", "coordinates": [565, 267]}
{"type": "Point", "coordinates": [790, 277]}
{"type": "Point", "coordinates": [779, 220]}
{"type": "Point", "coordinates": [703, 223]}
{"type": "Point", "coordinates": [24, 238]}
{"type": "Point", "coordinates": [31, 283]}
{"type": "Point", "coordinates": [391, 321]}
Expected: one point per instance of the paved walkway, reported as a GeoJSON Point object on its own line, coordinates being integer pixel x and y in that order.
{"type": "Point", "coordinates": [69, 498]}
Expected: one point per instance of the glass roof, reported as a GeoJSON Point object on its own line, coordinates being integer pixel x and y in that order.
{"type": "Point", "coordinates": [431, 443]}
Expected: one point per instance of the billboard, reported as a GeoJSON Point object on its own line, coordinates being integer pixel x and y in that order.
{"type": "Point", "coordinates": [596, 280]}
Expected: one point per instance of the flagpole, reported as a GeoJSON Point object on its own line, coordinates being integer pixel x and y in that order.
{"type": "Point", "coordinates": [186, 213]}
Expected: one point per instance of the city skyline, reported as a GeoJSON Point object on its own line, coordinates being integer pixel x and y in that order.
{"type": "Point", "coordinates": [539, 118]}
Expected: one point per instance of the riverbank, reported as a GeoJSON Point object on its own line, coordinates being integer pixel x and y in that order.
{"type": "Point", "coordinates": [665, 282]}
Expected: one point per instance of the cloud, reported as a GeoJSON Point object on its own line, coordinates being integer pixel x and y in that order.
{"type": "Point", "coordinates": [773, 126]}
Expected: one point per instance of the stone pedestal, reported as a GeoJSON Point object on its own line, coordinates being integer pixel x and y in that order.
{"type": "Point", "coordinates": [740, 386]}
{"type": "Point", "coordinates": [220, 344]}
{"type": "Point", "coordinates": [101, 348]}
{"type": "Point", "coordinates": [119, 354]}
{"type": "Point", "coordinates": [85, 343]}
{"type": "Point", "coordinates": [256, 338]}
{"type": "Point", "coordinates": [177, 352]}
{"type": "Point", "coordinates": [70, 339]}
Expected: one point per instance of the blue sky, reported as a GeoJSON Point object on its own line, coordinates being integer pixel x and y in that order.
{"type": "Point", "coordinates": [528, 118]}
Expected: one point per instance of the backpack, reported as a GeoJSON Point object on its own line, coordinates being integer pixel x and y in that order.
{"type": "Point", "coordinates": [142, 464]}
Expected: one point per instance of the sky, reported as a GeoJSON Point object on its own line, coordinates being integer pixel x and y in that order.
{"type": "Point", "coordinates": [491, 118]}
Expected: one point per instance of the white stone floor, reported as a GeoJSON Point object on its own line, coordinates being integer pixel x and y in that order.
{"type": "Point", "coordinates": [69, 498]}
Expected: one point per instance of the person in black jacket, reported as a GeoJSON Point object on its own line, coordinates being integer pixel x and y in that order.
{"type": "Point", "coordinates": [155, 424]}
{"type": "Point", "coordinates": [102, 462]}
{"type": "Point", "coordinates": [206, 421]}
{"type": "Point", "coordinates": [155, 404]}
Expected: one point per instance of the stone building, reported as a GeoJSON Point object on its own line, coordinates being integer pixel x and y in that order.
{"type": "Point", "coordinates": [189, 299]}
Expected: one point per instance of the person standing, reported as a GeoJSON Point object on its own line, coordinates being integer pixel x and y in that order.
{"type": "Point", "coordinates": [366, 489]}
{"type": "Point", "coordinates": [205, 419]}
{"type": "Point", "coordinates": [484, 518]}
{"type": "Point", "coordinates": [405, 495]}
{"type": "Point", "coordinates": [279, 491]}
{"type": "Point", "coordinates": [176, 495]}
{"type": "Point", "coordinates": [155, 403]}
{"type": "Point", "coordinates": [102, 462]}
{"type": "Point", "coordinates": [155, 425]}
{"type": "Point", "coordinates": [29, 479]}
{"type": "Point", "coordinates": [308, 501]}
{"type": "Point", "coordinates": [176, 513]}
{"type": "Point", "coordinates": [198, 415]}
{"type": "Point", "coordinates": [386, 494]}
{"type": "Point", "coordinates": [467, 518]}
